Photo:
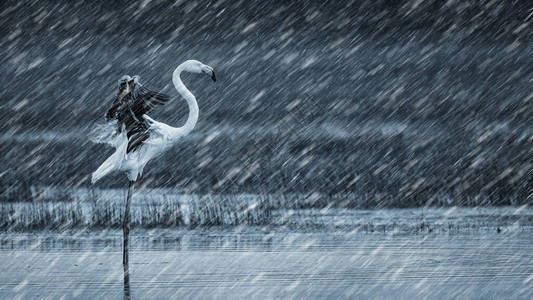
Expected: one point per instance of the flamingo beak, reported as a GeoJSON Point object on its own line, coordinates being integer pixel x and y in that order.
{"type": "Point", "coordinates": [213, 76]}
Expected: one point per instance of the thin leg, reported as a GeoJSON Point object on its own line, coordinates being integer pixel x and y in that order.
{"type": "Point", "coordinates": [126, 228]}
{"type": "Point", "coordinates": [126, 283]}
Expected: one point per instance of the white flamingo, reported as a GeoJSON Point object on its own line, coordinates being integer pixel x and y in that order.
{"type": "Point", "coordinates": [153, 141]}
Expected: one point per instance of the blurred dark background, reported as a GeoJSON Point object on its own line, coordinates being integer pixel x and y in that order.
{"type": "Point", "coordinates": [403, 102]}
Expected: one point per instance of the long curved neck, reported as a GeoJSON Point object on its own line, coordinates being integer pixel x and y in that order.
{"type": "Point", "coordinates": [191, 100]}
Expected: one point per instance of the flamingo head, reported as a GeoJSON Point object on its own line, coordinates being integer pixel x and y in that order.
{"type": "Point", "coordinates": [195, 66]}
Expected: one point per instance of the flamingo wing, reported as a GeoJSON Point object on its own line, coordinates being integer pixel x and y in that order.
{"type": "Point", "coordinates": [121, 108]}
{"type": "Point", "coordinates": [146, 100]}
{"type": "Point", "coordinates": [143, 101]}
{"type": "Point", "coordinates": [115, 109]}
{"type": "Point", "coordinates": [136, 136]}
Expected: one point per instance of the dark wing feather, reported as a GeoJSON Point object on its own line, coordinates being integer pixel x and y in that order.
{"type": "Point", "coordinates": [114, 110]}
{"type": "Point", "coordinates": [137, 135]}
{"type": "Point", "coordinates": [145, 100]}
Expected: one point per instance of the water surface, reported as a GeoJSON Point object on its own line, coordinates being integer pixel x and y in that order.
{"type": "Point", "coordinates": [272, 262]}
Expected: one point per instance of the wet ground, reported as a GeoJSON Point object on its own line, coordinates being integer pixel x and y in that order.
{"type": "Point", "coordinates": [270, 262]}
